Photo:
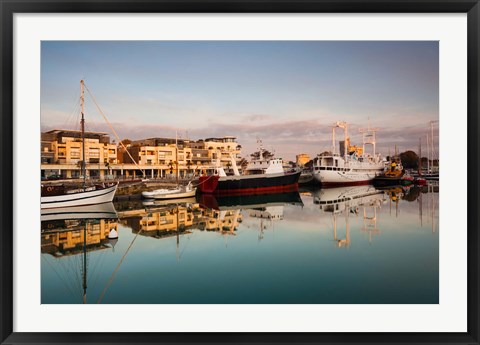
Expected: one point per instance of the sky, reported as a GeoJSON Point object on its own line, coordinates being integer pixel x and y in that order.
{"type": "Point", "coordinates": [286, 93]}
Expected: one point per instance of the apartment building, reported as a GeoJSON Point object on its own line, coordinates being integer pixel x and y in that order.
{"type": "Point", "coordinates": [151, 157]}
{"type": "Point", "coordinates": [63, 149]}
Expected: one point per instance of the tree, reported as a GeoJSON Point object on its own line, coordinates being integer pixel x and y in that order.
{"type": "Point", "coordinates": [265, 154]}
{"type": "Point", "coordinates": [409, 159]}
{"type": "Point", "coordinates": [243, 163]}
{"type": "Point", "coordinates": [171, 165]}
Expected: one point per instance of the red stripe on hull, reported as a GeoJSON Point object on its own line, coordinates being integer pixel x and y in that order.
{"type": "Point", "coordinates": [345, 184]}
{"type": "Point", "coordinates": [260, 190]}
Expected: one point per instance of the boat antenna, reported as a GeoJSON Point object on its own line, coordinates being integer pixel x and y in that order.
{"type": "Point", "coordinates": [82, 122]}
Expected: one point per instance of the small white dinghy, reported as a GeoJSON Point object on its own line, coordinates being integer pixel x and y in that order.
{"type": "Point", "coordinates": [177, 193]}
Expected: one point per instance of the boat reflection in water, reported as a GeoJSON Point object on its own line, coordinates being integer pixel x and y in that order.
{"type": "Point", "coordinates": [215, 241]}
{"type": "Point", "coordinates": [351, 202]}
{"type": "Point", "coordinates": [70, 234]}
{"type": "Point", "coordinates": [266, 207]}
{"type": "Point", "coordinates": [208, 213]}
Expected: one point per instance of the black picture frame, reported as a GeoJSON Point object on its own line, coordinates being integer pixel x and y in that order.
{"type": "Point", "coordinates": [7, 174]}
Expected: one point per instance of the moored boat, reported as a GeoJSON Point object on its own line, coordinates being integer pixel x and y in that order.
{"type": "Point", "coordinates": [307, 178]}
{"type": "Point", "coordinates": [57, 196]}
{"type": "Point", "coordinates": [165, 194]}
{"type": "Point", "coordinates": [263, 174]}
{"type": "Point", "coordinates": [178, 192]}
{"type": "Point", "coordinates": [62, 195]}
{"type": "Point", "coordinates": [394, 175]}
{"type": "Point", "coordinates": [351, 167]}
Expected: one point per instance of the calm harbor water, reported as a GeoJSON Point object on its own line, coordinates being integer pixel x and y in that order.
{"type": "Point", "coordinates": [338, 245]}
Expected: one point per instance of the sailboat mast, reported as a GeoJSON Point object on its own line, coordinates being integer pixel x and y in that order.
{"type": "Point", "coordinates": [82, 123]}
{"type": "Point", "coordinates": [428, 155]}
{"type": "Point", "coordinates": [176, 152]}
{"type": "Point", "coordinates": [431, 143]}
{"type": "Point", "coordinates": [420, 156]}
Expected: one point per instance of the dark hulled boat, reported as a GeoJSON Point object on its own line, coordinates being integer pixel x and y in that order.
{"type": "Point", "coordinates": [263, 174]}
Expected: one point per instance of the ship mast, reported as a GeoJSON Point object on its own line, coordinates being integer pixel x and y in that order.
{"type": "Point", "coordinates": [346, 139]}
{"type": "Point", "coordinates": [420, 156]}
{"type": "Point", "coordinates": [82, 122]}
{"type": "Point", "coordinates": [176, 153]}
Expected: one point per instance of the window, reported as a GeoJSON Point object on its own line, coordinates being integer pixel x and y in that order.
{"type": "Point", "coordinates": [62, 151]}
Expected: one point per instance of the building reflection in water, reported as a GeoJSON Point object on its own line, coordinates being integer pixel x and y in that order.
{"type": "Point", "coordinates": [71, 235]}
{"type": "Point", "coordinates": [64, 235]}
{"type": "Point", "coordinates": [76, 232]}
{"type": "Point", "coordinates": [67, 231]}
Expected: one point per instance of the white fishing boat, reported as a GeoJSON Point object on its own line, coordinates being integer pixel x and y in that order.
{"type": "Point", "coordinates": [349, 167]}
{"type": "Point", "coordinates": [61, 195]}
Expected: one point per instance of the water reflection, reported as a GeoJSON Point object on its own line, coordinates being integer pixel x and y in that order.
{"type": "Point", "coordinates": [298, 221]}
{"type": "Point", "coordinates": [351, 201]}
{"type": "Point", "coordinates": [75, 232]}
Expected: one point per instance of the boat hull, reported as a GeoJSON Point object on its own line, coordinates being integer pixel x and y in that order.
{"type": "Point", "coordinates": [98, 196]}
{"type": "Point", "coordinates": [330, 178]}
{"type": "Point", "coordinates": [249, 184]}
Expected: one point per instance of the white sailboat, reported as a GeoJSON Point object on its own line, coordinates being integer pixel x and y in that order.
{"type": "Point", "coordinates": [60, 195]}
{"type": "Point", "coordinates": [178, 192]}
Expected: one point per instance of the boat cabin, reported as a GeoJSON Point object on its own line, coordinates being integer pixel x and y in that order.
{"type": "Point", "coordinates": [335, 162]}
{"type": "Point", "coordinates": [264, 166]}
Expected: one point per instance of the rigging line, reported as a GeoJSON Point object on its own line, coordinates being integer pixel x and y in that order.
{"type": "Point", "coordinates": [71, 116]}
{"type": "Point", "coordinates": [65, 270]}
{"type": "Point", "coordinates": [96, 266]}
{"type": "Point", "coordinates": [67, 287]}
{"type": "Point", "coordinates": [72, 111]}
{"type": "Point", "coordinates": [185, 247]}
{"type": "Point", "coordinates": [117, 268]}
{"type": "Point", "coordinates": [113, 130]}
